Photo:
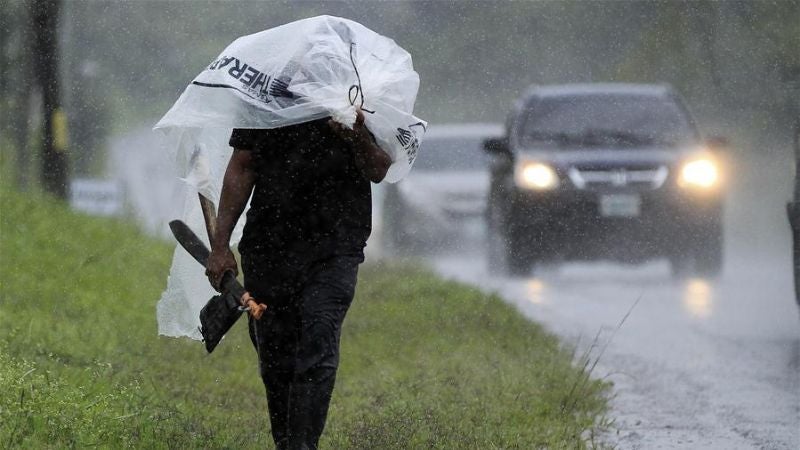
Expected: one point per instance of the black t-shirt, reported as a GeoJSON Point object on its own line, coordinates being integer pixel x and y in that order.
{"type": "Point", "coordinates": [310, 201]}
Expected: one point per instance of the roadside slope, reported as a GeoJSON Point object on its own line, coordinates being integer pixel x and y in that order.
{"type": "Point", "coordinates": [425, 363]}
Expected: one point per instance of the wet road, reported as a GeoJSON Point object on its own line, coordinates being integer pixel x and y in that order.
{"type": "Point", "coordinates": [697, 364]}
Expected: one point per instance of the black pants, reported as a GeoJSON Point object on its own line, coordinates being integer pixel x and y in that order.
{"type": "Point", "coordinates": [297, 340]}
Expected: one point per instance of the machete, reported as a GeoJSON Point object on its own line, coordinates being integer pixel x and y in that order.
{"type": "Point", "coordinates": [222, 311]}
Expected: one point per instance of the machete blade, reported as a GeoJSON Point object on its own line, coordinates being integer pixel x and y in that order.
{"type": "Point", "coordinates": [192, 244]}
{"type": "Point", "coordinates": [189, 241]}
{"type": "Point", "coordinates": [222, 311]}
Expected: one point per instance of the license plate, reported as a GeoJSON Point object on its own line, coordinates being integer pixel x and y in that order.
{"type": "Point", "coordinates": [620, 205]}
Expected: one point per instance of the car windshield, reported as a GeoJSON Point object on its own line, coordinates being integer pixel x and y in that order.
{"type": "Point", "coordinates": [606, 120]}
{"type": "Point", "coordinates": [452, 153]}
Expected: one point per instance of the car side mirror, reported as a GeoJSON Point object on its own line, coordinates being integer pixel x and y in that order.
{"type": "Point", "coordinates": [496, 146]}
{"type": "Point", "coordinates": [718, 143]}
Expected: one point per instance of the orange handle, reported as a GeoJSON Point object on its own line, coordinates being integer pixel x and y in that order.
{"type": "Point", "coordinates": [256, 309]}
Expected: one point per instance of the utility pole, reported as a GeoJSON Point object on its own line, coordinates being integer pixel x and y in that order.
{"type": "Point", "coordinates": [54, 168]}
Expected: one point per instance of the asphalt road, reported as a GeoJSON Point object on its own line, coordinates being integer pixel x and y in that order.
{"type": "Point", "coordinates": [696, 364]}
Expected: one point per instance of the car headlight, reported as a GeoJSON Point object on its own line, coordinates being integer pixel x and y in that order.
{"type": "Point", "coordinates": [701, 172]}
{"type": "Point", "coordinates": [535, 175]}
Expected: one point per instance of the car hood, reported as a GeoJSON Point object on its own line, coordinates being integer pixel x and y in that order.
{"type": "Point", "coordinates": [599, 158]}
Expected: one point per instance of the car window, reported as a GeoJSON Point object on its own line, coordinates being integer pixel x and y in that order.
{"type": "Point", "coordinates": [451, 154]}
{"type": "Point", "coordinates": [606, 119]}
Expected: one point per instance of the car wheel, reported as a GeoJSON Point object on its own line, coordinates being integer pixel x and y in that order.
{"type": "Point", "coordinates": [510, 248]}
{"type": "Point", "coordinates": [681, 265]}
{"type": "Point", "coordinates": [507, 257]}
{"type": "Point", "coordinates": [708, 253]}
{"type": "Point", "coordinates": [504, 254]}
{"type": "Point", "coordinates": [517, 262]}
{"type": "Point", "coordinates": [522, 250]}
{"type": "Point", "coordinates": [701, 255]}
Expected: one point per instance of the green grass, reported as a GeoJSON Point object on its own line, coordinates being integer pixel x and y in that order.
{"type": "Point", "coordinates": [425, 363]}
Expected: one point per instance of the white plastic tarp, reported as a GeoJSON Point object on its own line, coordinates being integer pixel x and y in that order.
{"type": "Point", "coordinates": [306, 70]}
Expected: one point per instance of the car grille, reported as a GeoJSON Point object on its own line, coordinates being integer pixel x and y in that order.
{"type": "Point", "coordinates": [640, 177]}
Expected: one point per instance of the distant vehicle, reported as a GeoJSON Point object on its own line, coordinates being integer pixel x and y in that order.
{"type": "Point", "coordinates": [604, 171]}
{"type": "Point", "coordinates": [443, 200]}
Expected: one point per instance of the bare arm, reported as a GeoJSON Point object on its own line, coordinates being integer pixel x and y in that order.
{"type": "Point", "coordinates": [370, 159]}
{"type": "Point", "coordinates": [236, 188]}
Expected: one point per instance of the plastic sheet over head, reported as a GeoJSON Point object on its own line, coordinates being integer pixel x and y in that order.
{"type": "Point", "coordinates": [302, 71]}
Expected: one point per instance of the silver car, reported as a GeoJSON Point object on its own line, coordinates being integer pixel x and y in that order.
{"type": "Point", "coordinates": [442, 201]}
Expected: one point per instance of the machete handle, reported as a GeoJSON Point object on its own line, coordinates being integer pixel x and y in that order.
{"type": "Point", "coordinates": [225, 281]}
{"type": "Point", "coordinates": [256, 309]}
{"type": "Point", "coordinates": [246, 301]}
{"type": "Point", "coordinates": [197, 249]}
{"type": "Point", "coordinates": [209, 216]}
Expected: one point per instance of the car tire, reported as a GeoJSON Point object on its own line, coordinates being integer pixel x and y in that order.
{"type": "Point", "coordinates": [505, 257]}
{"type": "Point", "coordinates": [521, 249]}
{"type": "Point", "coordinates": [702, 254]}
{"type": "Point", "coordinates": [517, 264]}
{"type": "Point", "coordinates": [681, 266]}
{"type": "Point", "coordinates": [708, 256]}
{"type": "Point", "coordinates": [506, 252]}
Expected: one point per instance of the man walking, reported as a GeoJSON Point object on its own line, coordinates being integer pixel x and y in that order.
{"type": "Point", "coordinates": [308, 223]}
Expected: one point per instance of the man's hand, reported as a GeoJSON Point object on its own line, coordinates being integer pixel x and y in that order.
{"type": "Point", "coordinates": [357, 135]}
{"type": "Point", "coordinates": [220, 262]}
{"type": "Point", "coordinates": [370, 159]}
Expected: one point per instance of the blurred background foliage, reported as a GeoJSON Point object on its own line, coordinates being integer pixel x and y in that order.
{"type": "Point", "coordinates": [124, 63]}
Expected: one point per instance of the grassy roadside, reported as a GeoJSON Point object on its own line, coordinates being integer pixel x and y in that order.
{"type": "Point", "coordinates": [425, 363]}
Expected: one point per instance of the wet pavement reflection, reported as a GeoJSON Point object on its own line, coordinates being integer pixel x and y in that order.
{"type": "Point", "coordinates": [535, 291]}
{"type": "Point", "coordinates": [698, 363]}
{"type": "Point", "coordinates": [698, 298]}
